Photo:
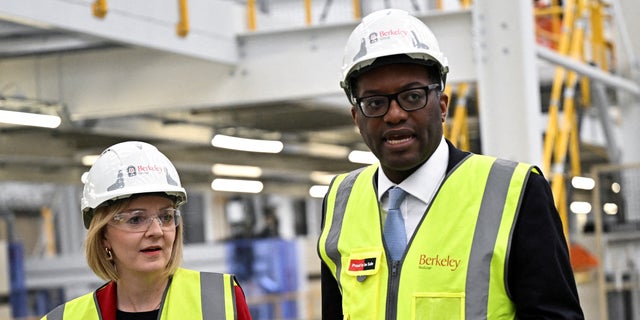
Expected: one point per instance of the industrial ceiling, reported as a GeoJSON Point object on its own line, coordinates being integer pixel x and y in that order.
{"type": "Point", "coordinates": [317, 135]}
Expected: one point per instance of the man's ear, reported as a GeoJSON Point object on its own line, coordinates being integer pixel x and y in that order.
{"type": "Point", "coordinates": [444, 106]}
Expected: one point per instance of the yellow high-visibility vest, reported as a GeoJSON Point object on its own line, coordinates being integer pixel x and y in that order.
{"type": "Point", "coordinates": [191, 295]}
{"type": "Point", "coordinates": [454, 265]}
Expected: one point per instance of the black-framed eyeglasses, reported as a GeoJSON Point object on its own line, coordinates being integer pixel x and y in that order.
{"type": "Point", "coordinates": [140, 220]}
{"type": "Point", "coordinates": [409, 100]}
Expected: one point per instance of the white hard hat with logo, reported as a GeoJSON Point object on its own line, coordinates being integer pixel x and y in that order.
{"type": "Point", "coordinates": [390, 32]}
{"type": "Point", "coordinates": [125, 169]}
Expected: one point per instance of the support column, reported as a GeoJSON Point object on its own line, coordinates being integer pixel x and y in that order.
{"type": "Point", "coordinates": [626, 12]}
{"type": "Point", "coordinates": [508, 86]}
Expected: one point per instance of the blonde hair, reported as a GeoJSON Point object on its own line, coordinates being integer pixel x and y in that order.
{"type": "Point", "coordinates": [96, 254]}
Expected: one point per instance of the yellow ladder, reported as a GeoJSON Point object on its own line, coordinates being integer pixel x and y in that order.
{"type": "Point", "coordinates": [459, 133]}
{"type": "Point", "coordinates": [562, 134]}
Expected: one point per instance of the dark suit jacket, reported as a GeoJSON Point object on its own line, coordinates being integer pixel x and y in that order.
{"type": "Point", "coordinates": [540, 279]}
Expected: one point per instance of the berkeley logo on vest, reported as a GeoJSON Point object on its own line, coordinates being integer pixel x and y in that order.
{"type": "Point", "coordinates": [362, 264]}
{"type": "Point", "coordinates": [437, 261]}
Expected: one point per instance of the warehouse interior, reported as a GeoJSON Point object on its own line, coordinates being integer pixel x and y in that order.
{"type": "Point", "coordinates": [552, 83]}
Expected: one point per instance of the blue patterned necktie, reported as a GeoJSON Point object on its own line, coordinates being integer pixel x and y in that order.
{"type": "Point", "coordinates": [394, 233]}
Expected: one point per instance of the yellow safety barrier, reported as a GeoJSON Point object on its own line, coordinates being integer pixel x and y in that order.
{"type": "Point", "coordinates": [251, 14]}
{"type": "Point", "coordinates": [357, 11]}
{"type": "Point", "coordinates": [182, 27]}
{"type": "Point", "coordinates": [459, 134]}
{"type": "Point", "coordinates": [556, 89]}
{"type": "Point", "coordinates": [49, 230]}
{"type": "Point", "coordinates": [566, 139]}
{"type": "Point", "coordinates": [562, 135]}
{"type": "Point", "coordinates": [99, 8]}
{"type": "Point", "coordinates": [308, 17]}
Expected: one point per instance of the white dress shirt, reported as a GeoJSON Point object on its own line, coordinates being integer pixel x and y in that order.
{"type": "Point", "coordinates": [420, 186]}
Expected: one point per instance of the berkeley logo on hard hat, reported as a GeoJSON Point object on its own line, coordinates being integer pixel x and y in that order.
{"type": "Point", "coordinates": [131, 171]}
{"type": "Point", "coordinates": [150, 168]}
{"type": "Point", "coordinates": [373, 37]}
{"type": "Point", "coordinates": [385, 34]}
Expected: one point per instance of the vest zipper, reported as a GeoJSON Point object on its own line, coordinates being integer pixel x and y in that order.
{"type": "Point", "coordinates": [392, 290]}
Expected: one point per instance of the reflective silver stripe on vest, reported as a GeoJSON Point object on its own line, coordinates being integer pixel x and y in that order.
{"type": "Point", "coordinates": [57, 313]}
{"type": "Point", "coordinates": [212, 298]}
{"type": "Point", "coordinates": [484, 238]}
{"type": "Point", "coordinates": [340, 205]}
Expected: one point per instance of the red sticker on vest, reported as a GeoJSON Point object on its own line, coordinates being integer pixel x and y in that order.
{"type": "Point", "coordinates": [362, 264]}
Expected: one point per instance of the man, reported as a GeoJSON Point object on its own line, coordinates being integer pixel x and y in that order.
{"type": "Point", "coordinates": [478, 237]}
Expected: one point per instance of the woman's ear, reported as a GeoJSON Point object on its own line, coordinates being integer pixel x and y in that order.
{"type": "Point", "coordinates": [105, 242]}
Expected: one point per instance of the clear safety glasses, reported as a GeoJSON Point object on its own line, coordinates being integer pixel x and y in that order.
{"type": "Point", "coordinates": [140, 220]}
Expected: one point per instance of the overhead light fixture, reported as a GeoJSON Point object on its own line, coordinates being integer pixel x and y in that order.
{"type": "Point", "coordinates": [610, 208]}
{"type": "Point", "coordinates": [220, 169]}
{"type": "Point", "coordinates": [583, 183]}
{"type": "Point", "coordinates": [30, 119]}
{"type": "Point", "coordinates": [235, 185]}
{"type": "Point", "coordinates": [244, 144]}
{"type": "Point", "coordinates": [580, 207]}
{"type": "Point", "coordinates": [318, 191]}
{"type": "Point", "coordinates": [366, 157]}
{"type": "Point", "coordinates": [320, 150]}
{"type": "Point", "coordinates": [615, 187]}
{"type": "Point", "coordinates": [321, 177]}
{"type": "Point", "coordinates": [89, 159]}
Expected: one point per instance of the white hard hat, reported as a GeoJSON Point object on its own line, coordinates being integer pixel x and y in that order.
{"type": "Point", "coordinates": [390, 32]}
{"type": "Point", "coordinates": [125, 169]}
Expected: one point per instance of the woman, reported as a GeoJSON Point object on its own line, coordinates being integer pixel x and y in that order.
{"type": "Point", "coordinates": [134, 241]}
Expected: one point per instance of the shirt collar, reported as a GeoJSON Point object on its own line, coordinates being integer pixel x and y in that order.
{"type": "Point", "coordinates": [423, 182]}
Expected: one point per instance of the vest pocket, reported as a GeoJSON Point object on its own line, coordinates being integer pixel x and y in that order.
{"type": "Point", "coordinates": [360, 281]}
{"type": "Point", "coordinates": [438, 305]}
